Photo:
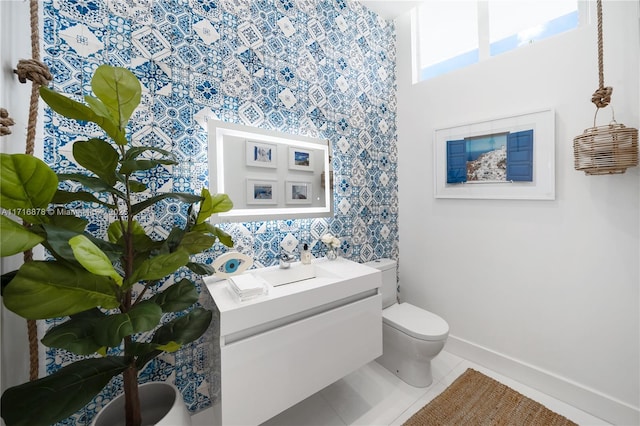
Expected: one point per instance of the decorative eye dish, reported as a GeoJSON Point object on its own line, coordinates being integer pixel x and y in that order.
{"type": "Point", "coordinates": [231, 263]}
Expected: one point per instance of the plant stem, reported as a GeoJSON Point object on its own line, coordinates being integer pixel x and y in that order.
{"type": "Point", "coordinates": [144, 290]}
{"type": "Point", "coordinates": [132, 399]}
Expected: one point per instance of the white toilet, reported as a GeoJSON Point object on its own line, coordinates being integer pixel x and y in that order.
{"type": "Point", "coordinates": [411, 336]}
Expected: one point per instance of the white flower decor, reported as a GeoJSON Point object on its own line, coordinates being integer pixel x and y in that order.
{"type": "Point", "coordinates": [330, 241]}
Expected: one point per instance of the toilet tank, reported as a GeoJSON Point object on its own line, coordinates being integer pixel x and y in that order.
{"type": "Point", "coordinates": [389, 279]}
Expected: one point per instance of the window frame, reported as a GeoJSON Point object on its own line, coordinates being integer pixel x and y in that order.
{"type": "Point", "coordinates": [586, 10]}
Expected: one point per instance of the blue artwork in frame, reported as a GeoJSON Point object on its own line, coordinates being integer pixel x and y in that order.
{"type": "Point", "coordinates": [501, 157]}
{"type": "Point", "coordinates": [301, 159]}
{"type": "Point", "coordinates": [506, 158]}
{"type": "Point", "coordinates": [261, 154]}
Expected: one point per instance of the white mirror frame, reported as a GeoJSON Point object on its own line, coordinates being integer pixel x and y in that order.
{"type": "Point", "coordinates": [217, 132]}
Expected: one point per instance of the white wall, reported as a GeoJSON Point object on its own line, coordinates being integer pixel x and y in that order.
{"type": "Point", "coordinates": [545, 289]}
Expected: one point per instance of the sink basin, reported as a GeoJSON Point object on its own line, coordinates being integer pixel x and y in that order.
{"type": "Point", "coordinates": [277, 276]}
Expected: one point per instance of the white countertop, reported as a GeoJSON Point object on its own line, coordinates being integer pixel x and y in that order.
{"type": "Point", "coordinates": [335, 280]}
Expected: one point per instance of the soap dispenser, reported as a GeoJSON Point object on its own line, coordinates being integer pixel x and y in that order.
{"type": "Point", "coordinates": [305, 256]}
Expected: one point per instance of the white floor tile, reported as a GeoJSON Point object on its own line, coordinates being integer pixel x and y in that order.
{"type": "Point", "coordinates": [370, 396]}
{"type": "Point", "coordinates": [443, 364]}
{"type": "Point", "coordinates": [434, 390]}
{"type": "Point", "coordinates": [313, 411]}
{"type": "Point", "coordinates": [373, 396]}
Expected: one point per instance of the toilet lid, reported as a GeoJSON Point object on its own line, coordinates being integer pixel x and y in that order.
{"type": "Point", "coordinates": [415, 322]}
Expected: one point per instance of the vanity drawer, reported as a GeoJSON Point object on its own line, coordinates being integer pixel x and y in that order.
{"type": "Point", "coordinates": [264, 374]}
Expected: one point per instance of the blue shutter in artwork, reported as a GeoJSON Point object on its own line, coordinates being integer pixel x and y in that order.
{"type": "Point", "coordinates": [520, 156]}
{"type": "Point", "coordinates": [456, 161]}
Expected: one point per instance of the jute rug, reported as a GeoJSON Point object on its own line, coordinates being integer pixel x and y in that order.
{"type": "Point", "coordinates": [475, 399]}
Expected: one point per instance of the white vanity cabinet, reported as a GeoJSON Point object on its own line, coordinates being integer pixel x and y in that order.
{"type": "Point", "coordinates": [280, 348]}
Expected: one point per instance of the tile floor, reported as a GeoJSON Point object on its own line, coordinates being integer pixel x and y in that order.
{"type": "Point", "coordinates": [372, 396]}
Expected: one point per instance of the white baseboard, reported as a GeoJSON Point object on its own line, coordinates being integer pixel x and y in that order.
{"type": "Point", "coordinates": [575, 394]}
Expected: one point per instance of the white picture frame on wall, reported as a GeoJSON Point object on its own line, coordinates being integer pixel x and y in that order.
{"type": "Point", "coordinates": [298, 192]}
{"type": "Point", "coordinates": [262, 191]}
{"type": "Point", "coordinates": [300, 159]}
{"type": "Point", "coordinates": [536, 183]}
{"type": "Point", "coordinates": [261, 154]}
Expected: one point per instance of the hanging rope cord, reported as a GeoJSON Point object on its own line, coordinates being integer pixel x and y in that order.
{"type": "Point", "coordinates": [38, 73]}
{"type": "Point", "coordinates": [602, 96]}
{"type": "Point", "coordinates": [5, 122]}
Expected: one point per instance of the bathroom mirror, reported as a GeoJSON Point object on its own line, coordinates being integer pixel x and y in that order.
{"type": "Point", "coordinates": [268, 174]}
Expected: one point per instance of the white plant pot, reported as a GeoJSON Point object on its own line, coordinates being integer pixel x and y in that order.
{"type": "Point", "coordinates": [161, 405]}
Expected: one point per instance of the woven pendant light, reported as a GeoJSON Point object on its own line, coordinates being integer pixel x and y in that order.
{"type": "Point", "coordinates": [609, 149]}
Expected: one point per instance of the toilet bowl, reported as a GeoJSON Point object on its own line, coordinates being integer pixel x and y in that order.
{"type": "Point", "coordinates": [411, 336]}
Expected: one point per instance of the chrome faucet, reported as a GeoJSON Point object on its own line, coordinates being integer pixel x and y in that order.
{"type": "Point", "coordinates": [285, 259]}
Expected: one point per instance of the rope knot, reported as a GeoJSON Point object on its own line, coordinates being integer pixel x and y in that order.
{"type": "Point", "coordinates": [34, 70]}
{"type": "Point", "coordinates": [602, 97]}
{"type": "Point", "coordinates": [5, 122]}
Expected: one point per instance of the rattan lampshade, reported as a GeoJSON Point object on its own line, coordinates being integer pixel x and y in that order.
{"type": "Point", "coordinates": [603, 150]}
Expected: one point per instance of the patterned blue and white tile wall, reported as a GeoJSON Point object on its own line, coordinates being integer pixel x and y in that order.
{"type": "Point", "coordinates": [321, 68]}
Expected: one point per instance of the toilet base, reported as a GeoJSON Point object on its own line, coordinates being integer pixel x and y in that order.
{"type": "Point", "coordinates": [418, 376]}
{"type": "Point", "coordinates": [407, 357]}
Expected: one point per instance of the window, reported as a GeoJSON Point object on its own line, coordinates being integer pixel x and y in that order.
{"type": "Point", "coordinates": [453, 34]}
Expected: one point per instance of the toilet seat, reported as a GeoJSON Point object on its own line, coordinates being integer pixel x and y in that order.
{"type": "Point", "coordinates": [415, 322]}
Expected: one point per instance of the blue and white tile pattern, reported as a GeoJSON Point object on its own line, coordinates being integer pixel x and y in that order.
{"type": "Point", "coordinates": [320, 68]}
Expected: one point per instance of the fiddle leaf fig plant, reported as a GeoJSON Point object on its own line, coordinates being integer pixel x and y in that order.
{"type": "Point", "coordinates": [108, 290]}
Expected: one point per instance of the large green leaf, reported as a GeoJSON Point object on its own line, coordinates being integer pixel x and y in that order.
{"type": "Point", "coordinates": [43, 290]}
{"type": "Point", "coordinates": [214, 230]}
{"type": "Point", "coordinates": [110, 330]}
{"type": "Point", "coordinates": [27, 185]}
{"type": "Point", "coordinates": [172, 241]}
{"type": "Point", "coordinates": [200, 268]}
{"type": "Point", "coordinates": [93, 183]}
{"type": "Point", "coordinates": [66, 106]}
{"type": "Point", "coordinates": [185, 329]}
{"type": "Point", "coordinates": [159, 266]}
{"type": "Point", "coordinates": [113, 251]}
{"type": "Point", "coordinates": [76, 334]}
{"type": "Point", "coordinates": [222, 236]}
{"type": "Point", "coordinates": [135, 186]}
{"type": "Point", "coordinates": [114, 232]}
{"type": "Point", "coordinates": [196, 242]}
{"type": "Point", "coordinates": [119, 90]}
{"type": "Point", "coordinates": [172, 335]}
{"type": "Point", "coordinates": [108, 123]}
{"type": "Point", "coordinates": [99, 157]}
{"type": "Point", "coordinates": [55, 397]}
{"type": "Point", "coordinates": [213, 204]}
{"type": "Point", "coordinates": [99, 108]}
{"type": "Point", "coordinates": [187, 198]}
{"type": "Point", "coordinates": [79, 111]}
{"type": "Point", "coordinates": [64, 197]}
{"type": "Point", "coordinates": [144, 352]}
{"type": "Point", "coordinates": [5, 279]}
{"type": "Point", "coordinates": [57, 242]}
{"type": "Point", "coordinates": [68, 221]}
{"type": "Point", "coordinates": [143, 245]}
{"type": "Point", "coordinates": [93, 259]}
{"type": "Point", "coordinates": [15, 238]}
{"type": "Point", "coordinates": [176, 298]}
